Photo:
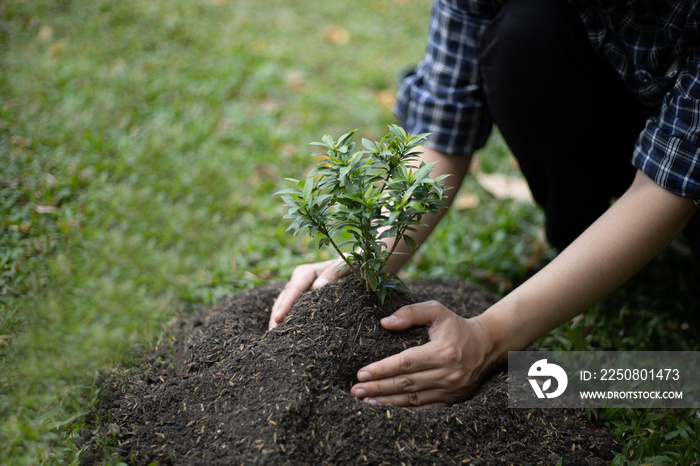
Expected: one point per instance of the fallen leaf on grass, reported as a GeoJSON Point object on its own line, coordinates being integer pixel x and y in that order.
{"type": "Point", "coordinates": [494, 279]}
{"type": "Point", "coordinates": [45, 209]}
{"type": "Point", "coordinates": [505, 187]}
{"type": "Point", "coordinates": [58, 47]}
{"type": "Point", "coordinates": [336, 35]}
{"type": "Point", "coordinates": [295, 80]}
{"type": "Point", "coordinates": [23, 228]}
{"type": "Point", "coordinates": [386, 98]}
{"type": "Point", "coordinates": [45, 34]}
{"type": "Point", "coordinates": [119, 65]}
{"type": "Point", "coordinates": [466, 201]}
{"type": "Point", "coordinates": [8, 184]}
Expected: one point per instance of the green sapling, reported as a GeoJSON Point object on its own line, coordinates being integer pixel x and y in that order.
{"type": "Point", "coordinates": [367, 196]}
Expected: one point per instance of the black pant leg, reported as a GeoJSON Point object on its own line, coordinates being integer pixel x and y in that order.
{"type": "Point", "coordinates": [562, 109]}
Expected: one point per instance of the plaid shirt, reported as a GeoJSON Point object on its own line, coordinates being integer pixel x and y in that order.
{"type": "Point", "coordinates": [652, 44]}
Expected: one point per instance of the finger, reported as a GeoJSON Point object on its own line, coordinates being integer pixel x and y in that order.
{"type": "Point", "coordinates": [426, 399]}
{"type": "Point", "coordinates": [409, 361]}
{"type": "Point", "coordinates": [303, 277]}
{"type": "Point", "coordinates": [283, 304]}
{"type": "Point", "coordinates": [398, 385]}
{"type": "Point", "coordinates": [431, 387]}
{"type": "Point", "coordinates": [332, 271]}
{"type": "Point", "coordinates": [272, 323]}
{"type": "Point", "coordinates": [278, 311]}
{"type": "Point", "coordinates": [425, 313]}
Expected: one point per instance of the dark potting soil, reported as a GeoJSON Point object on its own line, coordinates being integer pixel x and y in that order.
{"type": "Point", "coordinates": [229, 392]}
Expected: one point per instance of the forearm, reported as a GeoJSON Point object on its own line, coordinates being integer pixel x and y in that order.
{"type": "Point", "coordinates": [631, 233]}
{"type": "Point", "coordinates": [457, 167]}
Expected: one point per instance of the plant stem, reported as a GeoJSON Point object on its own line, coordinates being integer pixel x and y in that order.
{"type": "Point", "coordinates": [397, 239]}
{"type": "Point", "coordinates": [324, 231]}
{"type": "Point", "coordinates": [349, 264]}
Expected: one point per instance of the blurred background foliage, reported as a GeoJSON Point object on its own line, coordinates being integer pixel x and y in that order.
{"type": "Point", "coordinates": [140, 145]}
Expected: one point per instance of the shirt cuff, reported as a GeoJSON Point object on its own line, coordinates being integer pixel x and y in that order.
{"type": "Point", "coordinates": [670, 161]}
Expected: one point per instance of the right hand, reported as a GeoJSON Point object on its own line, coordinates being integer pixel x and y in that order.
{"type": "Point", "coordinates": [444, 371]}
{"type": "Point", "coordinates": [305, 277]}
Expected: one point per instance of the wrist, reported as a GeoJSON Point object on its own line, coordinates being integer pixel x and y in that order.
{"type": "Point", "coordinates": [499, 332]}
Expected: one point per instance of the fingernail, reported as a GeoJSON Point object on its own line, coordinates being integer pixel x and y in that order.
{"type": "Point", "coordinates": [360, 393]}
{"type": "Point", "coordinates": [320, 282]}
{"type": "Point", "coordinates": [364, 376]}
{"type": "Point", "coordinates": [371, 401]}
{"type": "Point", "coordinates": [390, 319]}
{"type": "Point", "coordinates": [276, 304]}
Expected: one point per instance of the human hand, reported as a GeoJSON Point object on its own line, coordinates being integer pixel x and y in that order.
{"type": "Point", "coordinates": [441, 372]}
{"type": "Point", "coordinates": [305, 277]}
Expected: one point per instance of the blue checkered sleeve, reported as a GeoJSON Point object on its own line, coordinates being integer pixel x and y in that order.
{"type": "Point", "coordinates": [444, 95]}
{"type": "Point", "coordinates": [668, 149]}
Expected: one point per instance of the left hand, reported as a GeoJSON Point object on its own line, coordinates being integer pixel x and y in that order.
{"type": "Point", "coordinates": [446, 370]}
{"type": "Point", "coordinates": [305, 277]}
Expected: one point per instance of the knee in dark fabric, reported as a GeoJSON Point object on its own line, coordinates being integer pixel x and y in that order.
{"type": "Point", "coordinates": [525, 38]}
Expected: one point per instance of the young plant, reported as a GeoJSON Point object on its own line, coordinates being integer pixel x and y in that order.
{"type": "Point", "coordinates": [368, 196]}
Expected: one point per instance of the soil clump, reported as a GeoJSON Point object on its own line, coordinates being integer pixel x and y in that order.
{"type": "Point", "coordinates": [227, 391]}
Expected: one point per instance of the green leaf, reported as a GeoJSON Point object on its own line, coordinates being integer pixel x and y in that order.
{"type": "Point", "coordinates": [410, 242]}
{"type": "Point", "coordinates": [659, 459]}
{"type": "Point", "coordinates": [308, 188]}
{"type": "Point", "coordinates": [343, 140]}
{"type": "Point", "coordinates": [343, 174]}
{"type": "Point", "coordinates": [372, 281]}
{"type": "Point", "coordinates": [388, 233]}
{"type": "Point", "coordinates": [369, 145]}
{"type": "Point", "coordinates": [397, 284]}
{"type": "Point", "coordinates": [381, 294]}
{"type": "Point", "coordinates": [407, 196]}
{"type": "Point", "coordinates": [370, 193]}
{"type": "Point", "coordinates": [424, 170]}
{"type": "Point", "coordinates": [288, 191]}
{"type": "Point", "coordinates": [290, 200]}
{"type": "Point", "coordinates": [393, 216]}
{"type": "Point", "coordinates": [323, 198]}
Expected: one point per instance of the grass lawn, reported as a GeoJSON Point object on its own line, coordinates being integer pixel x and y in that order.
{"type": "Point", "coordinates": [141, 143]}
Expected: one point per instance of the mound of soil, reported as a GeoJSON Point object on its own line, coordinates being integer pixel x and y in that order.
{"type": "Point", "coordinates": [230, 392]}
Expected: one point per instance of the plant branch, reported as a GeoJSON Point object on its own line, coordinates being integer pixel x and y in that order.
{"type": "Point", "coordinates": [397, 239]}
{"type": "Point", "coordinates": [325, 232]}
{"type": "Point", "coordinates": [352, 191]}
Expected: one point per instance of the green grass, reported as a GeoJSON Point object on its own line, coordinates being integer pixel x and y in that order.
{"type": "Point", "coordinates": [141, 143]}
